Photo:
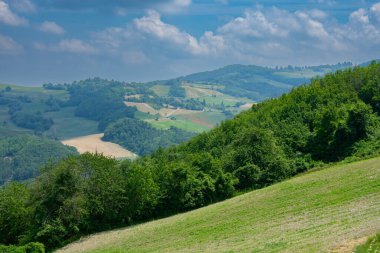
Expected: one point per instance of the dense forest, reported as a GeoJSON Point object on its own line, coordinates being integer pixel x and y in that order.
{"type": "Point", "coordinates": [22, 156]}
{"type": "Point", "coordinates": [334, 118]}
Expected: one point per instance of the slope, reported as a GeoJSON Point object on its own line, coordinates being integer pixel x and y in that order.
{"type": "Point", "coordinates": [316, 212]}
{"type": "Point", "coordinates": [259, 83]}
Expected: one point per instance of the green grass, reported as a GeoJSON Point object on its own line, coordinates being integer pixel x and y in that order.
{"type": "Point", "coordinates": [160, 90]}
{"type": "Point", "coordinates": [143, 116]}
{"type": "Point", "coordinates": [66, 125]}
{"type": "Point", "coordinates": [371, 246]}
{"type": "Point", "coordinates": [314, 212]}
{"type": "Point", "coordinates": [180, 123]}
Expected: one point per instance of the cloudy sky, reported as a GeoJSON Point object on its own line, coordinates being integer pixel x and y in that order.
{"type": "Point", "coordinates": [133, 40]}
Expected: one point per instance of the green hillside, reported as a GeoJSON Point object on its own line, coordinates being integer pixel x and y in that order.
{"type": "Point", "coordinates": [316, 212]}
{"type": "Point", "coordinates": [259, 83]}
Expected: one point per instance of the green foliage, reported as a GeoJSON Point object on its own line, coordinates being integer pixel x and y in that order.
{"type": "Point", "coordinates": [14, 214]}
{"type": "Point", "coordinates": [177, 91]}
{"type": "Point", "coordinates": [22, 156]}
{"type": "Point", "coordinates": [99, 100]}
{"type": "Point", "coordinates": [142, 138]}
{"type": "Point", "coordinates": [33, 247]}
{"type": "Point", "coordinates": [34, 121]}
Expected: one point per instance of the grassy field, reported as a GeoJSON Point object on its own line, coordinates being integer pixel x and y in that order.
{"type": "Point", "coordinates": [372, 245]}
{"type": "Point", "coordinates": [184, 124]}
{"type": "Point", "coordinates": [66, 125]}
{"type": "Point", "coordinates": [330, 210]}
{"type": "Point", "coordinates": [160, 90]}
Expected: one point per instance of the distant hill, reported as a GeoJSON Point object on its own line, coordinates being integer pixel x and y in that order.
{"type": "Point", "coordinates": [259, 83]}
{"type": "Point", "coordinates": [333, 209]}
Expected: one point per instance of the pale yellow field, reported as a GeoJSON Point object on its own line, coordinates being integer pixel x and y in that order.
{"type": "Point", "coordinates": [246, 106]}
{"type": "Point", "coordinates": [195, 92]}
{"type": "Point", "coordinates": [167, 112]}
{"type": "Point", "coordinates": [163, 112]}
{"type": "Point", "coordinates": [94, 144]}
{"type": "Point", "coordinates": [143, 107]}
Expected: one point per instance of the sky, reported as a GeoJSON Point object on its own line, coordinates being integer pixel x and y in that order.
{"type": "Point", "coordinates": [60, 41]}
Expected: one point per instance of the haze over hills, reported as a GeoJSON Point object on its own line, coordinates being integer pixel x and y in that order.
{"type": "Point", "coordinates": [139, 117]}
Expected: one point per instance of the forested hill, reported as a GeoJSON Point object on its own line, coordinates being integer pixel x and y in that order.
{"type": "Point", "coordinates": [259, 83]}
{"type": "Point", "coordinates": [334, 118]}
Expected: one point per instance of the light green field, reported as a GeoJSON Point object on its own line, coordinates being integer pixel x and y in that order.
{"type": "Point", "coordinates": [322, 211]}
{"type": "Point", "coordinates": [160, 90]}
{"type": "Point", "coordinates": [184, 124]}
{"type": "Point", "coordinates": [67, 126]}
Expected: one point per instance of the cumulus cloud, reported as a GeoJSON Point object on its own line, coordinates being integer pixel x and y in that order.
{"type": "Point", "coordinates": [253, 24]}
{"type": "Point", "coordinates": [68, 45]}
{"type": "Point", "coordinates": [9, 46]}
{"type": "Point", "coordinates": [174, 6]}
{"type": "Point", "coordinates": [152, 25]}
{"type": "Point", "coordinates": [375, 10]}
{"type": "Point", "coordinates": [76, 46]}
{"type": "Point", "coordinates": [23, 5]}
{"type": "Point", "coordinates": [51, 27]}
{"type": "Point", "coordinates": [8, 17]}
{"type": "Point", "coordinates": [270, 36]}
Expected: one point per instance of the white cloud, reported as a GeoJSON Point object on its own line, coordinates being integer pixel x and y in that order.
{"type": "Point", "coordinates": [68, 45]}
{"type": "Point", "coordinates": [51, 27]}
{"type": "Point", "coordinates": [9, 46]}
{"type": "Point", "coordinates": [313, 27]}
{"type": "Point", "coordinates": [8, 17]}
{"type": "Point", "coordinates": [375, 11]}
{"type": "Point", "coordinates": [253, 24]}
{"type": "Point", "coordinates": [152, 25]}
{"type": "Point", "coordinates": [360, 16]}
{"type": "Point", "coordinates": [174, 6]}
{"type": "Point", "coordinates": [23, 5]}
{"type": "Point", "coordinates": [76, 46]}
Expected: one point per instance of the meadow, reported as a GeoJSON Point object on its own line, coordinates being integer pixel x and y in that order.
{"type": "Point", "coordinates": [331, 210]}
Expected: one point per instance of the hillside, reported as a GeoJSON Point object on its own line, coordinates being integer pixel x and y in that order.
{"type": "Point", "coordinates": [331, 209]}
{"type": "Point", "coordinates": [259, 83]}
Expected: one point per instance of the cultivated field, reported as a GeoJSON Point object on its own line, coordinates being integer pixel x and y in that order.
{"type": "Point", "coordinates": [93, 143]}
{"type": "Point", "coordinates": [330, 210]}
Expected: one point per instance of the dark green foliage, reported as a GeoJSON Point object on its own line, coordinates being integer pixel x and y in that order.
{"type": "Point", "coordinates": [14, 214]}
{"type": "Point", "coordinates": [33, 247]}
{"type": "Point", "coordinates": [142, 138]}
{"type": "Point", "coordinates": [99, 100]}
{"type": "Point", "coordinates": [86, 194]}
{"type": "Point", "coordinates": [34, 121]}
{"type": "Point", "coordinates": [177, 91]}
{"type": "Point", "coordinates": [22, 156]}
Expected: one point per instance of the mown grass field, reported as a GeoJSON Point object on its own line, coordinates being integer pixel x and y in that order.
{"type": "Point", "coordinates": [330, 210]}
{"type": "Point", "coordinates": [67, 125]}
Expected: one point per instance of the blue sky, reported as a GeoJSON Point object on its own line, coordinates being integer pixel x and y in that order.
{"type": "Point", "coordinates": [132, 40]}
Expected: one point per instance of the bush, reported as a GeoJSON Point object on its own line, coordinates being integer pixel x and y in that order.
{"type": "Point", "coordinates": [33, 247]}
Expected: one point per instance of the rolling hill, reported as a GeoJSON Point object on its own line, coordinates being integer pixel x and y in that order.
{"type": "Point", "coordinates": [333, 209]}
